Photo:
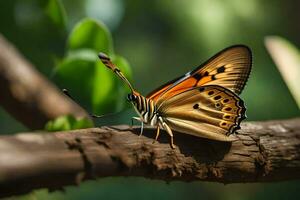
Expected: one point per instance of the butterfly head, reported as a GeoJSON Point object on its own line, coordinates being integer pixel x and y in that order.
{"type": "Point", "coordinates": [133, 97]}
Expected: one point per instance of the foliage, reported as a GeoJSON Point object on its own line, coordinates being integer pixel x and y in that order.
{"type": "Point", "coordinates": [287, 59]}
{"type": "Point", "coordinates": [56, 12]}
{"type": "Point", "coordinates": [68, 122]}
{"type": "Point", "coordinates": [84, 75]}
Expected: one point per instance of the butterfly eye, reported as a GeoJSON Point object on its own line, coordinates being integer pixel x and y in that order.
{"type": "Point", "coordinates": [131, 97]}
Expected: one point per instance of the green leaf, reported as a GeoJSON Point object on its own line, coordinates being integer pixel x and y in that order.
{"type": "Point", "coordinates": [59, 124]}
{"type": "Point", "coordinates": [86, 54]}
{"type": "Point", "coordinates": [68, 122]}
{"type": "Point", "coordinates": [56, 12]}
{"type": "Point", "coordinates": [104, 96]}
{"type": "Point", "coordinates": [90, 34]}
{"type": "Point", "coordinates": [77, 75]}
{"type": "Point", "coordinates": [82, 123]}
{"type": "Point", "coordinates": [287, 59]}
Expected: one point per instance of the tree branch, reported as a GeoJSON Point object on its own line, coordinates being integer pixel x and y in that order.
{"type": "Point", "coordinates": [265, 151]}
{"type": "Point", "coordinates": [28, 95]}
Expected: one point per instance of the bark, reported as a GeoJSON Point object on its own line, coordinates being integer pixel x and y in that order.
{"type": "Point", "coordinates": [27, 95]}
{"type": "Point", "coordinates": [264, 152]}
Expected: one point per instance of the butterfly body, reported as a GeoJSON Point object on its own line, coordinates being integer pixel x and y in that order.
{"type": "Point", "coordinates": [145, 108]}
{"type": "Point", "coordinates": [203, 102]}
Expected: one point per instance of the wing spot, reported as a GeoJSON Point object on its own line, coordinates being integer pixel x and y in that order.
{"type": "Point", "coordinates": [225, 100]}
{"type": "Point", "coordinates": [201, 89]}
{"type": "Point", "coordinates": [205, 73]}
{"type": "Point", "coordinates": [210, 92]}
{"type": "Point", "coordinates": [217, 97]}
{"type": "Point", "coordinates": [224, 124]}
{"type": "Point", "coordinates": [228, 109]}
{"type": "Point", "coordinates": [197, 76]}
{"type": "Point", "coordinates": [213, 77]}
{"type": "Point", "coordinates": [218, 105]}
{"type": "Point", "coordinates": [221, 69]}
{"type": "Point", "coordinates": [196, 106]}
{"type": "Point", "coordinates": [227, 117]}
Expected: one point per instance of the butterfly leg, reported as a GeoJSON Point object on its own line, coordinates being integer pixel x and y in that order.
{"type": "Point", "coordinates": [169, 131]}
{"type": "Point", "coordinates": [142, 128]}
{"type": "Point", "coordinates": [135, 118]}
{"type": "Point", "coordinates": [157, 134]}
{"type": "Point", "coordinates": [142, 125]}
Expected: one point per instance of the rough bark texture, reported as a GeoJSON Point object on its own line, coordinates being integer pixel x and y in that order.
{"type": "Point", "coordinates": [26, 94]}
{"type": "Point", "coordinates": [264, 151]}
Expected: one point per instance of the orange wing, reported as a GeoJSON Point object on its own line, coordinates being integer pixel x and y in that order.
{"type": "Point", "coordinates": [230, 68]}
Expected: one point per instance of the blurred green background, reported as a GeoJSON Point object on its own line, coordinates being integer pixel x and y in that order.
{"type": "Point", "coordinates": [161, 40]}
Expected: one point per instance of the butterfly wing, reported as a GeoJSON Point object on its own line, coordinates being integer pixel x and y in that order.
{"type": "Point", "coordinates": [209, 111]}
{"type": "Point", "coordinates": [229, 68]}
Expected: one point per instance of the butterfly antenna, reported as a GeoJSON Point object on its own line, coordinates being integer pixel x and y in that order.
{"type": "Point", "coordinates": [66, 92]}
{"type": "Point", "coordinates": [105, 115]}
{"type": "Point", "coordinates": [107, 62]}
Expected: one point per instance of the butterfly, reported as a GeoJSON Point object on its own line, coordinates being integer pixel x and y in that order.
{"type": "Point", "coordinates": [203, 102]}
